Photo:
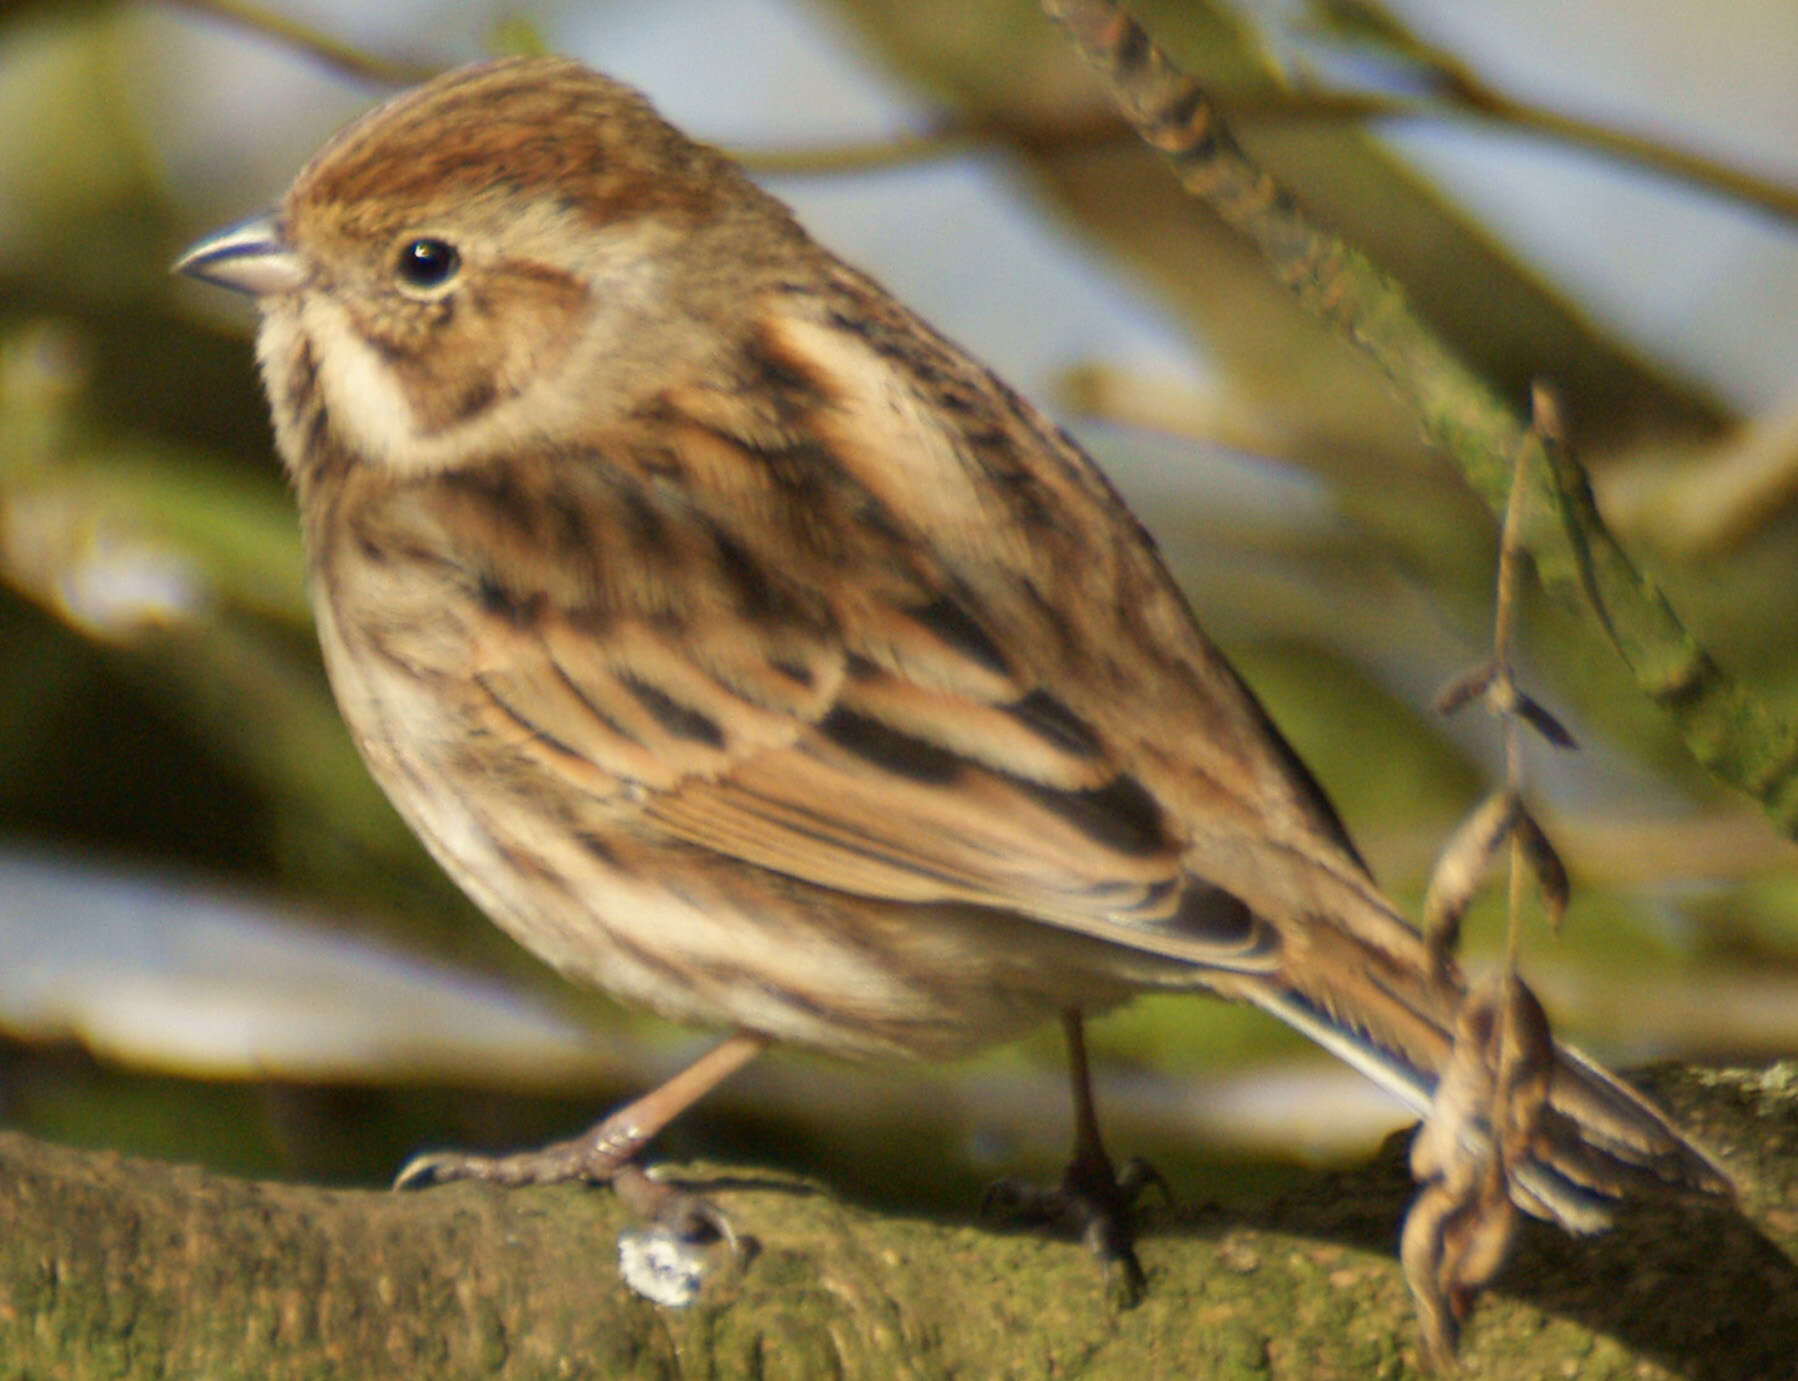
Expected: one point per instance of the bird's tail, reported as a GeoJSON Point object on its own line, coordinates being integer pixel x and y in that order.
{"type": "Point", "coordinates": [1599, 1141]}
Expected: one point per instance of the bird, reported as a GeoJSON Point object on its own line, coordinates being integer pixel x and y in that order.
{"type": "Point", "coordinates": [747, 650]}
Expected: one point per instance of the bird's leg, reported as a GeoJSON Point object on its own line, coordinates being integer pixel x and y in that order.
{"type": "Point", "coordinates": [1096, 1199]}
{"type": "Point", "coordinates": [606, 1152]}
{"type": "Point", "coordinates": [1093, 1199]}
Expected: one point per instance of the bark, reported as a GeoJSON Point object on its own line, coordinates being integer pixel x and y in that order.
{"type": "Point", "coordinates": [114, 1267]}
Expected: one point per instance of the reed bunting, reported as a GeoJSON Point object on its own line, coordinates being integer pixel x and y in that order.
{"type": "Point", "coordinates": [747, 650]}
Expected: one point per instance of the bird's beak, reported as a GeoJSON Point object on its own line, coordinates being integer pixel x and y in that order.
{"type": "Point", "coordinates": [252, 257]}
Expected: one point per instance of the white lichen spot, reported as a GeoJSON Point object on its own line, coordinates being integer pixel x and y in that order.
{"type": "Point", "coordinates": [661, 1266]}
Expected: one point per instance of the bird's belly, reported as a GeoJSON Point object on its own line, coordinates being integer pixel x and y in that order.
{"type": "Point", "coordinates": [715, 942]}
{"type": "Point", "coordinates": [709, 940]}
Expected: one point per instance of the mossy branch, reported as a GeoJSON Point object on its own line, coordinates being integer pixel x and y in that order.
{"type": "Point", "coordinates": [113, 1267]}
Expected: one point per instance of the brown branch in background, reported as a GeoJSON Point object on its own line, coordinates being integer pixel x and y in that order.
{"type": "Point", "coordinates": [1460, 90]}
{"type": "Point", "coordinates": [1463, 94]}
{"type": "Point", "coordinates": [951, 139]}
{"type": "Point", "coordinates": [1623, 146]}
{"type": "Point", "coordinates": [1731, 733]}
{"type": "Point", "coordinates": [315, 43]}
{"type": "Point", "coordinates": [1459, 93]}
{"type": "Point", "coordinates": [1296, 107]}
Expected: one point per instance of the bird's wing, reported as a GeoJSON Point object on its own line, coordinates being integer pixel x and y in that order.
{"type": "Point", "coordinates": [861, 723]}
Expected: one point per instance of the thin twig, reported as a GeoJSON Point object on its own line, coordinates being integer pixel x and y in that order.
{"type": "Point", "coordinates": [315, 43]}
{"type": "Point", "coordinates": [1301, 107]}
{"type": "Point", "coordinates": [1462, 90]}
{"type": "Point", "coordinates": [1504, 622]}
{"type": "Point", "coordinates": [951, 139]}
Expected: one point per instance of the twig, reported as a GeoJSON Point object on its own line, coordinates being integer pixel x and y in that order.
{"type": "Point", "coordinates": [1731, 733]}
{"type": "Point", "coordinates": [1491, 1093]}
{"type": "Point", "coordinates": [315, 43]}
{"type": "Point", "coordinates": [953, 140]}
{"type": "Point", "coordinates": [1462, 90]}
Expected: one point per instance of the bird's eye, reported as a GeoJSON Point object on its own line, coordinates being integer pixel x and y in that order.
{"type": "Point", "coordinates": [427, 263]}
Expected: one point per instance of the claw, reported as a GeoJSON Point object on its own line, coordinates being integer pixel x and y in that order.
{"type": "Point", "coordinates": [690, 1217]}
{"type": "Point", "coordinates": [580, 1158]}
{"type": "Point", "coordinates": [1093, 1205]}
{"type": "Point", "coordinates": [1125, 1283]}
{"type": "Point", "coordinates": [421, 1172]}
{"type": "Point", "coordinates": [1139, 1176]}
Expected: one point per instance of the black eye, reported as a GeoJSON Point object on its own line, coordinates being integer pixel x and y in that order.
{"type": "Point", "coordinates": [428, 263]}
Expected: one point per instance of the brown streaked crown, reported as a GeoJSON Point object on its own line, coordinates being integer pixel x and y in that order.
{"type": "Point", "coordinates": [545, 126]}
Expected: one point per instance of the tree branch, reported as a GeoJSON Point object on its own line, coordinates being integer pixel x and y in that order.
{"type": "Point", "coordinates": [128, 1268]}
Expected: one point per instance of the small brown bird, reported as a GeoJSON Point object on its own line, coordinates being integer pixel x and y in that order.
{"type": "Point", "coordinates": [747, 650]}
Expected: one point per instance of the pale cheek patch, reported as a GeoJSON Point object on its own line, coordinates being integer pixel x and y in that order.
{"type": "Point", "coordinates": [548, 363]}
{"type": "Point", "coordinates": [279, 344]}
{"type": "Point", "coordinates": [369, 408]}
{"type": "Point", "coordinates": [373, 416]}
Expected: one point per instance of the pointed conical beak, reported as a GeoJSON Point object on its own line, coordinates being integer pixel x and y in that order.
{"type": "Point", "coordinates": [250, 257]}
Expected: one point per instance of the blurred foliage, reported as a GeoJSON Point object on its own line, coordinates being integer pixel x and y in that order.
{"type": "Point", "coordinates": [161, 696]}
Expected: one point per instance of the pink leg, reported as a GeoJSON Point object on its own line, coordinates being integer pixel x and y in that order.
{"type": "Point", "coordinates": [599, 1154]}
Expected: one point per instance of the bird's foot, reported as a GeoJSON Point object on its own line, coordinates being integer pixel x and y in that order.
{"type": "Point", "coordinates": [666, 1258]}
{"type": "Point", "coordinates": [594, 1157]}
{"type": "Point", "coordinates": [1093, 1203]}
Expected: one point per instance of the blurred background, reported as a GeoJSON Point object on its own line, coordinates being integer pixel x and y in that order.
{"type": "Point", "coordinates": [218, 943]}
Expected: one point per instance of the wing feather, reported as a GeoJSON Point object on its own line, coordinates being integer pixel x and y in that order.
{"type": "Point", "coordinates": [794, 677]}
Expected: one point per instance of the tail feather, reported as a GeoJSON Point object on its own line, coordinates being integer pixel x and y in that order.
{"type": "Point", "coordinates": [1612, 1140]}
{"type": "Point", "coordinates": [1602, 1142]}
